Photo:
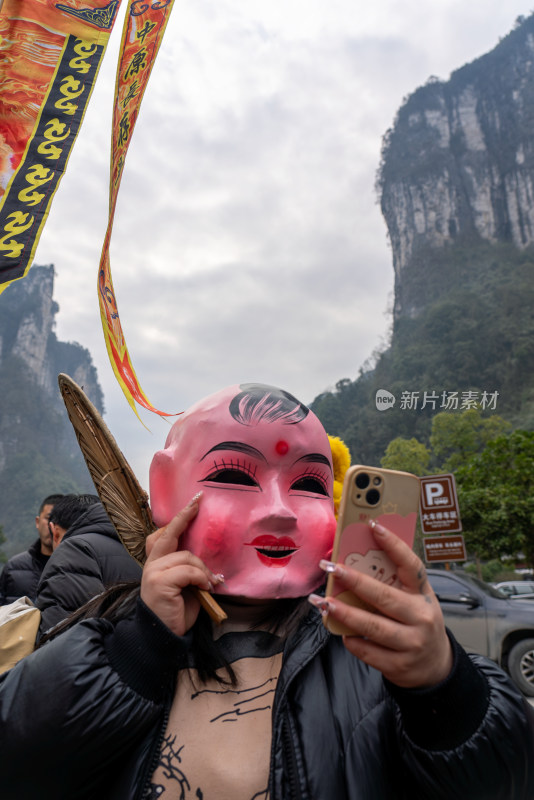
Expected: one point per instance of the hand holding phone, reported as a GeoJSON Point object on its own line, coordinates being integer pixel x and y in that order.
{"type": "Point", "coordinates": [390, 497]}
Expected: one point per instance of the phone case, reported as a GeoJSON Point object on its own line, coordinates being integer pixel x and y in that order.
{"type": "Point", "coordinates": [391, 498]}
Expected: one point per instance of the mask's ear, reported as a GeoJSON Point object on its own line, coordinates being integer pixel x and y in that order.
{"type": "Point", "coordinates": [341, 462]}
{"type": "Point", "coordinates": [161, 477]}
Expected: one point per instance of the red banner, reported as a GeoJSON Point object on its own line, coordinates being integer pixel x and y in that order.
{"type": "Point", "coordinates": [49, 59]}
{"type": "Point", "coordinates": [143, 31]}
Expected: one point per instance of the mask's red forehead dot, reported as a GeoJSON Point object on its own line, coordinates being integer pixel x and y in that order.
{"type": "Point", "coordinates": [282, 447]}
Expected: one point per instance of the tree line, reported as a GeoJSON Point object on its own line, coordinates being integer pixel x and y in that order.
{"type": "Point", "coordinates": [494, 473]}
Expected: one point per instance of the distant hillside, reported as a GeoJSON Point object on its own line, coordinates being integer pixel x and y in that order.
{"type": "Point", "coordinates": [456, 188]}
{"type": "Point", "coordinates": [39, 454]}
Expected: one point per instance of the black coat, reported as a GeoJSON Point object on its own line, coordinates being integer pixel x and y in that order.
{"type": "Point", "coordinates": [89, 559]}
{"type": "Point", "coordinates": [339, 732]}
{"type": "Point", "coordinates": [21, 574]}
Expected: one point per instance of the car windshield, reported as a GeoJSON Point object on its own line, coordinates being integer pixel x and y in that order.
{"type": "Point", "coordinates": [525, 587]}
{"type": "Point", "coordinates": [484, 587]}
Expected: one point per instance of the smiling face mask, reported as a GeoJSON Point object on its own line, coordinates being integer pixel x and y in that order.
{"type": "Point", "coordinates": [264, 465]}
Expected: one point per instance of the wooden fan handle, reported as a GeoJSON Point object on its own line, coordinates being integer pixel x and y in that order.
{"type": "Point", "coordinates": [210, 605]}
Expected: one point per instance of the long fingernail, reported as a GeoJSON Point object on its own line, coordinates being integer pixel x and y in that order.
{"type": "Point", "coordinates": [194, 500]}
{"type": "Point", "coordinates": [218, 577]}
{"type": "Point", "coordinates": [324, 606]}
{"type": "Point", "coordinates": [331, 568]}
{"type": "Point", "coordinates": [378, 528]}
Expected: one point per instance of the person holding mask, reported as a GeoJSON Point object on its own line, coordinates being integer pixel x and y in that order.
{"type": "Point", "coordinates": [152, 700]}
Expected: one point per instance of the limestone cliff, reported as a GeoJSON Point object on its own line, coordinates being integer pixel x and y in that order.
{"type": "Point", "coordinates": [458, 164]}
{"type": "Point", "coordinates": [27, 332]}
{"type": "Point", "coordinates": [39, 454]}
{"type": "Point", "coordinates": [456, 184]}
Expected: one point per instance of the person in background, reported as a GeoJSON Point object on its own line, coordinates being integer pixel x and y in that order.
{"type": "Point", "coordinates": [21, 574]}
{"type": "Point", "coordinates": [88, 557]}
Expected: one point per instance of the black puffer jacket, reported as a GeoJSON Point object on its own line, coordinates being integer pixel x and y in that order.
{"type": "Point", "coordinates": [339, 733]}
{"type": "Point", "coordinates": [89, 558]}
{"type": "Point", "coordinates": [21, 574]}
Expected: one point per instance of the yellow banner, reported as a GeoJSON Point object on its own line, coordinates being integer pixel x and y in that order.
{"type": "Point", "coordinates": [50, 54]}
{"type": "Point", "coordinates": [143, 31]}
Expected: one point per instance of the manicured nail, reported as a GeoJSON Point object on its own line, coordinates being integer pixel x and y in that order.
{"type": "Point", "coordinates": [218, 577]}
{"type": "Point", "coordinates": [331, 568]}
{"type": "Point", "coordinates": [321, 603]}
{"type": "Point", "coordinates": [378, 528]}
{"type": "Point", "coordinates": [194, 500]}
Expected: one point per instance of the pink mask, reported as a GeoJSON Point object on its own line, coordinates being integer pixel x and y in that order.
{"type": "Point", "coordinates": [264, 465]}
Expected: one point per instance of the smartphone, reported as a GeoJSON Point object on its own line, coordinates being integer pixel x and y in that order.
{"type": "Point", "coordinates": [391, 498]}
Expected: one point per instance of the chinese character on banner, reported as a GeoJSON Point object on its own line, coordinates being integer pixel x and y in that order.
{"type": "Point", "coordinates": [51, 56]}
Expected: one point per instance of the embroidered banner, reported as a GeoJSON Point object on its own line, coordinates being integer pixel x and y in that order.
{"type": "Point", "coordinates": [49, 58]}
{"type": "Point", "coordinates": [142, 34]}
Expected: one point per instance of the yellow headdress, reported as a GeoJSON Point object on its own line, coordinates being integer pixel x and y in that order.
{"type": "Point", "coordinates": [341, 461]}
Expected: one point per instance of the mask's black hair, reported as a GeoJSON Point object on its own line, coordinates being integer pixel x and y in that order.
{"type": "Point", "coordinates": [257, 402]}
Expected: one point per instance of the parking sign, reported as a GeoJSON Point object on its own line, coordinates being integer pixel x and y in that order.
{"type": "Point", "coordinates": [439, 508]}
{"type": "Point", "coordinates": [444, 548]}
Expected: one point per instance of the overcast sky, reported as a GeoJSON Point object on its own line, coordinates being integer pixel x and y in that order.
{"type": "Point", "coordinates": [248, 242]}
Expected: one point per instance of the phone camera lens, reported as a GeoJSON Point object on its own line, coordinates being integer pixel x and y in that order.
{"type": "Point", "coordinates": [362, 480]}
{"type": "Point", "coordinates": [372, 497]}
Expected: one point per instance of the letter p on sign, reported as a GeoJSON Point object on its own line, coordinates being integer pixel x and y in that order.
{"type": "Point", "coordinates": [432, 491]}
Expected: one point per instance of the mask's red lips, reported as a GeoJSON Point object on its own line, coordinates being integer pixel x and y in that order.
{"type": "Point", "coordinates": [273, 551]}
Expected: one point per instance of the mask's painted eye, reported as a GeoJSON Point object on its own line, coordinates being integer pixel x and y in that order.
{"type": "Point", "coordinates": [232, 476]}
{"type": "Point", "coordinates": [308, 483]}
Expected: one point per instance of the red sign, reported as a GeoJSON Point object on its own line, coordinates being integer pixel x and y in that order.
{"type": "Point", "coordinates": [444, 548]}
{"type": "Point", "coordinates": [439, 505]}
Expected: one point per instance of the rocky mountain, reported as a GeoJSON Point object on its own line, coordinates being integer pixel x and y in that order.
{"type": "Point", "coordinates": [456, 186]}
{"type": "Point", "coordinates": [39, 454]}
{"type": "Point", "coordinates": [458, 163]}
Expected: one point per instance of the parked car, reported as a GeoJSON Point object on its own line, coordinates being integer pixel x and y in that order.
{"type": "Point", "coordinates": [516, 589]}
{"type": "Point", "coordinates": [485, 621]}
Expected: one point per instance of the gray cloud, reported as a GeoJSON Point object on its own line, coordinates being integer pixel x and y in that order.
{"type": "Point", "coordinates": [248, 244]}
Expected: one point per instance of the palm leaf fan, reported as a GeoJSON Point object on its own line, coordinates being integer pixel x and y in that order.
{"type": "Point", "coordinates": [125, 501]}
